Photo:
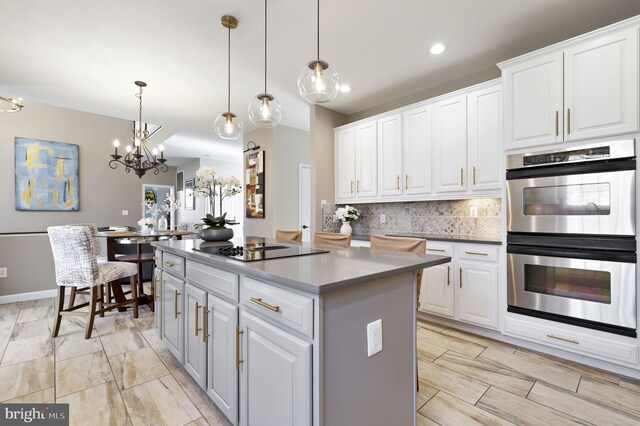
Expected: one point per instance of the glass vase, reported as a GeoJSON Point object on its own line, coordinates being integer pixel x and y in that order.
{"type": "Point", "coordinates": [162, 223]}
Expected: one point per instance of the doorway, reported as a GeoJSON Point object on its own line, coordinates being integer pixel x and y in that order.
{"type": "Point", "coordinates": [157, 194]}
{"type": "Point", "coordinates": [304, 221]}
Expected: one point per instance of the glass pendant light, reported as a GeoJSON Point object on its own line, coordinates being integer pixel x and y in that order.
{"type": "Point", "coordinates": [225, 126]}
{"type": "Point", "coordinates": [317, 83]}
{"type": "Point", "coordinates": [264, 109]}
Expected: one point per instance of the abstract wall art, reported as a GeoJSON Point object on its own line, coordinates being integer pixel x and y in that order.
{"type": "Point", "coordinates": [254, 184]}
{"type": "Point", "coordinates": [46, 175]}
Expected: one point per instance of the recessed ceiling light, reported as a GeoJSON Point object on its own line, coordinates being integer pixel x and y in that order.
{"type": "Point", "coordinates": [437, 49]}
{"type": "Point", "coordinates": [345, 88]}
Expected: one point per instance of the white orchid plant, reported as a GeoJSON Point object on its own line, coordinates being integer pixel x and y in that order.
{"type": "Point", "coordinates": [347, 214]}
{"type": "Point", "coordinates": [210, 186]}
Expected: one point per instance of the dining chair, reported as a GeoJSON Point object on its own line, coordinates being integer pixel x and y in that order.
{"type": "Point", "coordinates": [77, 267]}
{"type": "Point", "coordinates": [332, 239]}
{"type": "Point", "coordinates": [96, 248]}
{"type": "Point", "coordinates": [293, 236]}
{"type": "Point", "coordinates": [406, 244]}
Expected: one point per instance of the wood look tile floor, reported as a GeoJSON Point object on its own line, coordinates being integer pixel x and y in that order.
{"type": "Point", "coordinates": [124, 375]}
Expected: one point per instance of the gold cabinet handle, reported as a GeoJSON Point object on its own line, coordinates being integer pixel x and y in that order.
{"type": "Point", "coordinates": [205, 324]}
{"type": "Point", "coordinates": [406, 182]}
{"type": "Point", "coordinates": [398, 182]}
{"type": "Point", "coordinates": [197, 310]}
{"type": "Point", "coordinates": [259, 301]}
{"type": "Point", "coordinates": [448, 276]}
{"type": "Point", "coordinates": [438, 250]}
{"type": "Point", "coordinates": [175, 301]}
{"type": "Point", "coordinates": [156, 295]}
{"type": "Point", "coordinates": [239, 361]}
{"type": "Point", "coordinates": [568, 120]}
{"type": "Point", "coordinates": [357, 186]}
{"type": "Point", "coordinates": [476, 253]}
{"type": "Point", "coordinates": [461, 176]}
{"type": "Point", "coordinates": [575, 342]}
{"type": "Point", "coordinates": [169, 264]}
{"type": "Point", "coordinates": [460, 277]}
{"type": "Point", "coordinates": [557, 123]}
{"type": "Point", "coordinates": [351, 186]}
{"type": "Point", "coordinates": [474, 175]}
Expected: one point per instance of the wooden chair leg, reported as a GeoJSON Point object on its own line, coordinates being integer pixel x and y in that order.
{"type": "Point", "coordinates": [101, 300]}
{"type": "Point", "coordinates": [72, 298]}
{"type": "Point", "coordinates": [109, 293]}
{"type": "Point", "coordinates": [59, 307]}
{"type": "Point", "coordinates": [93, 295]}
{"type": "Point", "coordinates": [134, 295]}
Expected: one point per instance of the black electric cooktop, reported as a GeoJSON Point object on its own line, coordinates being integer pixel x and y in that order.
{"type": "Point", "coordinates": [255, 251]}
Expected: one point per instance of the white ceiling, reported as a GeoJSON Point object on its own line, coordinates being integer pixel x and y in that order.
{"type": "Point", "coordinates": [85, 55]}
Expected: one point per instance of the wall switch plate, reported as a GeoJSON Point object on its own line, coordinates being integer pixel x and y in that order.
{"type": "Point", "coordinates": [473, 211]}
{"type": "Point", "coordinates": [374, 337]}
{"type": "Point", "coordinates": [3, 272]}
{"type": "Point", "coordinates": [383, 218]}
{"type": "Point", "coordinates": [125, 212]}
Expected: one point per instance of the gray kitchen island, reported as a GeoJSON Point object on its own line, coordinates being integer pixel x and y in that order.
{"type": "Point", "coordinates": [286, 340]}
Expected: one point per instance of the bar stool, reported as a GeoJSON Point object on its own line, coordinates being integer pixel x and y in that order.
{"type": "Point", "coordinates": [331, 239]}
{"type": "Point", "coordinates": [77, 267]}
{"type": "Point", "coordinates": [293, 236]}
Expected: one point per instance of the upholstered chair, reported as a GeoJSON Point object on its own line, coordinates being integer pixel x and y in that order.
{"type": "Point", "coordinates": [292, 236]}
{"type": "Point", "coordinates": [331, 239]}
{"type": "Point", "coordinates": [77, 267]}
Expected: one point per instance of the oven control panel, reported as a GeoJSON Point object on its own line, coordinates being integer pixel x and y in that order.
{"type": "Point", "coordinates": [567, 156]}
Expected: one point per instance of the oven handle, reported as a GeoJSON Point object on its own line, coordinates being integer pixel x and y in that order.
{"type": "Point", "coordinates": [606, 256]}
{"type": "Point", "coordinates": [572, 169]}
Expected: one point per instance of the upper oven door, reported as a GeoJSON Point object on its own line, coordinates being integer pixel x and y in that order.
{"type": "Point", "coordinates": [592, 199]}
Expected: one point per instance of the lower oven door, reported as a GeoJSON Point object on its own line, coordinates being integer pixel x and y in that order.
{"type": "Point", "coordinates": [577, 285]}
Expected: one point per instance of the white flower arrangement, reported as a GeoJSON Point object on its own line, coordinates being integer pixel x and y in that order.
{"type": "Point", "coordinates": [347, 214]}
{"type": "Point", "coordinates": [210, 186]}
{"type": "Point", "coordinates": [147, 221]}
{"type": "Point", "coordinates": [170, 204]}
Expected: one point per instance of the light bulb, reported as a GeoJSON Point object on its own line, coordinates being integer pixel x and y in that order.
{"type": "Point", "coordinates": [264, 109]}
{"type": "Point", "coordinates": [317, 83]}
{"type": "Point", "coordinates": [227, 128]}
{"type": "Point", "coordinates": [137, 142]}
{"type": "Point", "coordinates": [155, 151]}
{"type": "Point", "coordinates": [129, 148]}
{"type": "Point", "coordinates": [161, 147]}
{"type": "Point", "coordinates": [116, 143]}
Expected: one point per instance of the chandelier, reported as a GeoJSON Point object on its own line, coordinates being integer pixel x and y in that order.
{"type": "Point", "coordinates": [139, 158]}
{"type": "Point", "coordinates": [10, 104]}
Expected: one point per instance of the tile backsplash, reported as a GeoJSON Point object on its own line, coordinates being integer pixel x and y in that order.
{"type": "Point", "coordinates": [433, 217]}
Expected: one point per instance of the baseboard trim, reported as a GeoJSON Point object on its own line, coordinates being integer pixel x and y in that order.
{"type": "Point", "coordinates": [23, 297]}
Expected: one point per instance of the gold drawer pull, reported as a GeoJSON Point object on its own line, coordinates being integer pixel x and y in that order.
{"type": "Point", "coordinates": [461, 176]}
{"type": "Point", "coordinates": [351, 186]}
{"type": "Point", "coordinates": [156, 295]}
{"type": "Point", "coordinates": [169, 264]}
{"type": "Point", "coordinates": [357, 186]}
{"type": "Point", "coordinates": [406, 182]}
{"type": "Point", "coordinates": [476, 253]}
{"type": "Point", "coordinates": [205, 324]}
{"type": "Point", "coordinates": [197, 310]}
{"type": "Point", "coordinates": [557, 127]}
{"type": "Point", "coordinates": [568, 120]}
{"type": "Point", "coordinates": [448, 275]}
{"type": "Point", "coordinates": [398, 182]}
{"type": "Point", "coordinates": [575, 342]}
{"type": "Point", "coordinates": [474, 175]}
{"type": "Point", "coordinates": [460, 277]}
{"type": "Point", "coordinates": [438, 250]}
{"type": "Point", "coordinates": [175, 301]}
{"type": "Point", "coordinates": [239, 361]}
{"type": "Point", "coordinates": [259, 301]}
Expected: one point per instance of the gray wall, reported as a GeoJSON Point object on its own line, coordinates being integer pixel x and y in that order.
{"type": "Point", "coordinates": [104, 192]}
{"type": "Point", "coordinates": [285, 149]}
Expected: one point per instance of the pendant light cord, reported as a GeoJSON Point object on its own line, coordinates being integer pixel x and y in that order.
{"type": "Point", "coordinates": [318, 31]}
{"type": "Point", "coordinates": [265, 46]}
{"type": "Point", "coordinates": [229, 70]}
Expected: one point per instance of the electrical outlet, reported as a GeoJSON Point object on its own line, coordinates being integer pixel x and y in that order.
{"type": "Point", "coordinates": [383, 219]}
{"type": "Point", "coordinates": [374, 337]}
{"type": "Point", "coordinates": [473, 211]}
{"type": "Point", "coordinates": [3, 272]}
{"type": "Point", "coordinates": [125, 212]}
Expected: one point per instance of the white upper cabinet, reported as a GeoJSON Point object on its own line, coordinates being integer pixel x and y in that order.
{"type": "Point", "coordinates": [390, 155]}
{"type": "Point", "coordinates": [417, 147]}
{"type": "Point", "coordinates": [534, 102]}
{"type": "Point", "coordinates": [484, 139]}
{"type": "Point", "coordinates": [601, 86]}
{"type": "Point", "coordinates": [366, 160]}
{"type": "Point", "coordinates": [345, 163]}
{"type": "Point", "coordinates": [583, 88]}
{"type": "Point", "coordinates": [450, 142]}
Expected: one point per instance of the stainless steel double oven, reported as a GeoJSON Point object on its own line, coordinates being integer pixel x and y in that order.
{"type": "Point", "coordinates": [571, 242]}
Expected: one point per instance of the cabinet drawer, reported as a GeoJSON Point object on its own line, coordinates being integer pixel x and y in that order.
{"type": "Point", "coordinates": [290, 309]}
{"type": "Point", "coordinates": [172, 263]}
{"type": "Point", "coordinates": [440, 248]}
{"type": "Point", "coordinates": [215, 280]}
{"type": "Point", "coordinates": [586, 343]}
{"type": "Point", "coordinates": [477, 252]}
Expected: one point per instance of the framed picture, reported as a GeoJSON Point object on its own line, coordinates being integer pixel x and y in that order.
{"type": "Point", "coordinates": [150, 196]}
{"type": "Point", "coordinates": [254, 184]}
{"type": "Point", "coordinates": [189, 195]}
{"type": "Point", "coordinates": [46, 175]}
{"type": "Point", "coordinates": [180, 181]}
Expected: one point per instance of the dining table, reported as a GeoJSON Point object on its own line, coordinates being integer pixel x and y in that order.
{"type": "Point", "coordinates": [139, 238]}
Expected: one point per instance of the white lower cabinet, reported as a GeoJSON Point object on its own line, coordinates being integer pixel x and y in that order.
{"type": "Point", "coordinates": [222, 375]}
{"type": "Point", "coordinates": [172, 323]}
{"type": "Point", "coordinates": [195, 330]}
{"type": "Point", "coordinates": [275, 375]}
{"type": "Point", "coordinates": [465, 289]}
